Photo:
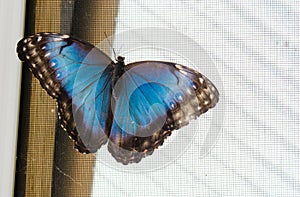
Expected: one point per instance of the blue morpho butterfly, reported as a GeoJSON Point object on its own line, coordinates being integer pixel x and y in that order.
{"type": "Point", "coordinates": [134, 107]}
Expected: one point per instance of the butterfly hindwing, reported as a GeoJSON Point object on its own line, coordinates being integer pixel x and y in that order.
{"type": "Point", "coordinates": [152, 99]}
{"type": "Point", "coordinates": [78, 75]}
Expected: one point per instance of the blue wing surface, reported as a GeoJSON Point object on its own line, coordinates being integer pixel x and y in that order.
{"type": "Point", "coordinates": [78, 75]}
{"type": "Point", "coordinates": [149, 101]}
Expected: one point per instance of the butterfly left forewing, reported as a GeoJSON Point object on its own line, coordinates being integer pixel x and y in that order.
{"type": "Point", "coordinates": [78, 76]}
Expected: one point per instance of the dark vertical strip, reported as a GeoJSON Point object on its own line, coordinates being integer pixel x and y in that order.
{"type": "Point", "coordinates": [73, 171]}
{"type": "Point", "coordinates": [81, 18]}
{"type": "Point", "coordinates": [67, 8]}
{"type": "Point", "coordinates": [69, 178]}
{"type": "Point", "coordinates": [63, 144]}
{"type": "Point", "coordinates": [24, 115]}
{"type": "Point", "coordinates": [91, 18]}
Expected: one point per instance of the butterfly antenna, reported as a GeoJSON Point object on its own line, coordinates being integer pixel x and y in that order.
{"type": "Point", "coordinates": [109, 42]}
{"type": "Point", "coordinates": [118, 52]}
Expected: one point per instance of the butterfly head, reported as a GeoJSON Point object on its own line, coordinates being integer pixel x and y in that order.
{"type": "Point", "coordinates": [120, 59]}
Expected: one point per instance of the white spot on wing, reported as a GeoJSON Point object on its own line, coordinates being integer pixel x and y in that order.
{"type": "Point", "coordinates": [178, 66]}
{"type": "Point", "coordinates": [39, 38]}
{"type": "Point", "coordinates": [57, 39]}
{"type": "Point", "coordinates": [194, 86]}
{"type": "Point", "coordinates": [47, 54]}
{"type": "Point", "coordinates": [183, 72]}
{"type": "Point", "coordinates": [180, 98]}
{"type": "Point", "coordinates": [65, 36]}
{"type": "Point", "coordinates": [172, 106]}
{"type": "Point", "coordinates": [201, 80]}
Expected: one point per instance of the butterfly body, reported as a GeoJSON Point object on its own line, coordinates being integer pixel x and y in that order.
{"type": "Point", "coordinates": [134, 107]}
{"type": "Point", "coordinates": [119, 69]}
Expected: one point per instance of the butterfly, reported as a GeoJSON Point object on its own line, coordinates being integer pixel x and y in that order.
{"type": "Point", "coordinates": [132, 107]}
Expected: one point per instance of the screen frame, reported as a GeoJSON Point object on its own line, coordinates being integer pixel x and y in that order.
{"type": "Point", "coordinates": [12, 18]}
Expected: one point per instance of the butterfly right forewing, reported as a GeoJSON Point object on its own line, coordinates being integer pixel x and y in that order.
{"type": "Point", "coordinates": [183, 94]}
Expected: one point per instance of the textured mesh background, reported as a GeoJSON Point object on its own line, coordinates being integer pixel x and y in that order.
{"type": "Point", "coordinates": [255, 47]}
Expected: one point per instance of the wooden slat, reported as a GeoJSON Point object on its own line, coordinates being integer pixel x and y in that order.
{"type": "Point", "coordinates": [42, 114]}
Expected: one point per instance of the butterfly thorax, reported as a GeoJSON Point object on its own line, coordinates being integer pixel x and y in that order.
{"type": "Point", "coordinates": [119, 69]}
